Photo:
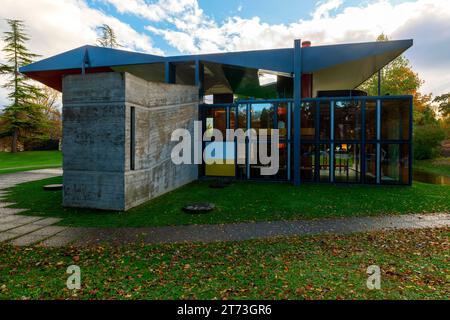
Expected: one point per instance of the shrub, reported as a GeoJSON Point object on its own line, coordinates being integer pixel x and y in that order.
{"type": "Point", "coordinates": [427, 140]}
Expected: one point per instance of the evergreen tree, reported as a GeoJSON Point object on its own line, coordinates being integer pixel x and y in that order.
{"type": "Point", "coordinates": [107, 37]}
{"type": "Point", "coordinates": [23, 117]}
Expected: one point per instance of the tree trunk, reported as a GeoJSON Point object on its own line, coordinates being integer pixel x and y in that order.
{"type": "Point", "coordinates": [14, 141]}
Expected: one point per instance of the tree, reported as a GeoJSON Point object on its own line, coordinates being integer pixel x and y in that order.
{"type": "Point", "coordinates": [443, 102]}
{"type": "Point", "coordinates": [107, 37]}
{"type": "Point", "coordinates": [23, 116]}
{"type": "Point", "coordinates": [49, 100]}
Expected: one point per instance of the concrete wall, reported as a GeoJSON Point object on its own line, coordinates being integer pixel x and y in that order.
{"type": "Point", "coordinates": [97, 139]}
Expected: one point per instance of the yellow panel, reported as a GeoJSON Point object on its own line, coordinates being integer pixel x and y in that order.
{"type": "Point", "coordinates": [220, 170]}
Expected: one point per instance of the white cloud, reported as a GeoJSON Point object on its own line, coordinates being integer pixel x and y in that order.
{"type": "Point", "coordinates": [426, 21]}
{"type": "Point", "coordinates": [56, 26]}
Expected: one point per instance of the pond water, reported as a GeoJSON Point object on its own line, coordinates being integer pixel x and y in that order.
{"type": "Point", "coordinates": [431, 178]}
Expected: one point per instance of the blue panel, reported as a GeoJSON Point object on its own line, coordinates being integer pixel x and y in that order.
{"type": "Point", "coordinates": [321, 57]}
{"type": "Point", "coordinates": [279, 60]}
{"type": "Point", "coordinates": [98, 57]}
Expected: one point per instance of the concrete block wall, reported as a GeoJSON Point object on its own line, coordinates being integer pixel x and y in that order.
{"type": "Point", "coordinates": [97, 139]}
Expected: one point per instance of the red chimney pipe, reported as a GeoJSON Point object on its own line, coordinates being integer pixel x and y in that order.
{"type": "Point", "coordinates": [306, 44]}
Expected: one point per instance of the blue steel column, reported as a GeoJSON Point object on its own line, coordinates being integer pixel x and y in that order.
{"type": "Point", "coordinates": [332, 141]}
{"type": "Point", "coordinates": [289, 139]}
{"type": "Point", "coordinates": [199, 78]}
{"type": "Point", "coordinates": [170, 76]}
{"type": "Point", "coordinates": [297, 107]}
{"type": "Point", "coordinates": [378, 141]}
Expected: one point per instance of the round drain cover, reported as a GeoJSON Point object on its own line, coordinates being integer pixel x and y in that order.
{"type": "Point", "coordinates": [199, 208]}
{"type": "Point", "coordinates": [53, 187]}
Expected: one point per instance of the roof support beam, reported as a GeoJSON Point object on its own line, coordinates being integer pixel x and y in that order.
{"type": "Point", "coordinates": [200, 78]}
{"type": "Point", "coordinates": [297, 107]}
{"type": "Point", "coordinates": [170, 72]}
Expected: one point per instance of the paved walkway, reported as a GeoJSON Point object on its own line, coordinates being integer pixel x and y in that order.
{"type": "Point", "coordinates": [26, 230]}
{"type": "Point", "coordinates": [19, 229]}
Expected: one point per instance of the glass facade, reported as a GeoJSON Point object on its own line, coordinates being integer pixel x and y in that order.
{"type": "Point", "coordinates": [308, 162]}
{"type": "Point", "coordinates": [355, 140]}
{"type": "Point", "coordinates": [347, 163]}
{"type": "Point", "coordinates": [370, 176]}
{"type": "Point", "coordinates": [394, 163]}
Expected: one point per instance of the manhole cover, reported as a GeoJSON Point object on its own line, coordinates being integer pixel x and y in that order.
{"type": "Point", "coordinates": [199, 208]}
{"type": "Point", "coordinates": [53, 187]}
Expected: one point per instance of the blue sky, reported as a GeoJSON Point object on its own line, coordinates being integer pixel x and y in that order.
{"type": "Point", "coordinates": [172, 27]}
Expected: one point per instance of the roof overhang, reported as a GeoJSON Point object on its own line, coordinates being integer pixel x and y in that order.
{"type": "Point", "coordinates": [342, 66]}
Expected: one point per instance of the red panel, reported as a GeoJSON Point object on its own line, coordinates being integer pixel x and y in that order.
{"type": "Point", "coordinates": [53, 78]}
{"type": "Point", "coordinates": [307, 85]}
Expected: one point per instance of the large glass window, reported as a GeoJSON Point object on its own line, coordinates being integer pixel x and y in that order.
{"type": "Point", "coordinates": [371, 163]}
{"type": "Point", "coordinates": [395, 116]}
{"type": "Point", "coordinates": [283, 153]}
{"type": "Point", "coordinates": [325, 120]}
{"type": "Point", "coordinates": [216, 118]}
{"type": "Point", "coordinates": [307, 162]}
{"type": "Point", "coordinates": [324, 161]}
{"type": "Point", "coordinates": [394, 163]}
{"type": "Point", "coordinates": [371, 120]}
{"type": "Point", "coordinates": [262, 116]}
{"type": "Point", "coordinates": [308, 126]}
{"type": "Point", "coordinates": [242, 117]}
{"type": "Point", "coordinates": [282, 119]}
{"type": "Point", "coordinates": [241, 157]}
{"type": "Point", "coordinates": [347, 120]}
{"type": "Point", "coordinates": [232, 118]}
{"type": "Point", "coordinates": [347, 163]}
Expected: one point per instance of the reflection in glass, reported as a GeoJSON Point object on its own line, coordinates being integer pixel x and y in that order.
{"type": "Point", "coordinates": [216, 118]}
{"type": "Point", "coordinates": [371, 120]}
{"type": "Point", "coordinates": [347, 120]}
{"type": "Point", "coordinates": [308, 112]}
{"type": "Point", "coordinates": [242, 117]}
{"type": "Point", "coordinates": [262, 116]}
{"type": "Point", "coordinates": [325, 120]}
{"type": "Point", "coordinates": [307, 162]}
{"type": "Point", "coordinates": [324, 163]}
{"type": "Point", "coordinates": [232, 118]}
{"type": "Point", "coordinates": [283, 153]}
{"type": "Point", "coordinates": [371, 163]}
{"type": "Point", "coordinates": [395, 163]}
{"type": "Point", "coordinates": [282, 120]}
{"type": "Point", "coordinates": [395, 119]}
{"type": "Point", "coordinates": [347, 163]}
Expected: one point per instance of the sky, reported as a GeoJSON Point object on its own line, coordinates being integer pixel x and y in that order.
{"type": "Point", "coordinates": [173, 27]}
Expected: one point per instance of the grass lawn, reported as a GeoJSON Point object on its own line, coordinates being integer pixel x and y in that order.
{"type": "Point", "coordinates": [242, 202]}
{"type": "Point", "coordinates": [438, 166]}
{"type": "Point", "coordinates": [29, 160]}
{"type": "Point", "coordinates": [414, 265]}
